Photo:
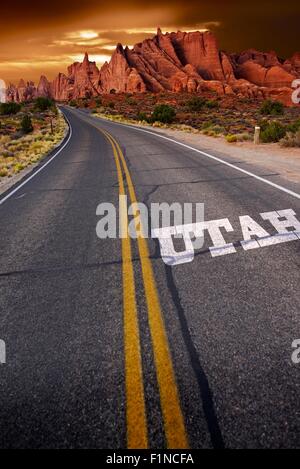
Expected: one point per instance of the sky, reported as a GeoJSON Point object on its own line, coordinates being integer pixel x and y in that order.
{"type": "Point", "coordinates": [38, 37]}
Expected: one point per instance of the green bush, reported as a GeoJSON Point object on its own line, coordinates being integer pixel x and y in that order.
{"type": "Point", "coordinates": [293, 127]}
{"type": "Point", "coordinates": [9, 108]}
{"type": "Point", "coordinates": [272, 132]}
{"type": "Point", "coordinates": [212, 104]}
{"type": "Point", "coordinates": [163, 113]}
{"type": "Point", "coordinates": [73, 103]}
{"type": "Point", "coordinates": [272, 108]}
{"type": "Point", "coordinates": [142, 116]}
{"type": "Point", "coordinates": [196, 103]}
{"type": "Point", "coordinates": [42, 104]}
{"type": "Point", "coordinates": [26, 124]}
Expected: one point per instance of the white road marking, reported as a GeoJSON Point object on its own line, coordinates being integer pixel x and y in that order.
{"type": "Point", "coordinates": [167, 250]}
{"type": "Point", "coordinates": [282, 225]}
{"type": "Point", "coordinates": [220, 247]}
{"type": "Point", "coordinates": [208, 155]}
{"type": "Point", "coordinates": [249, 227]}
{"type": "Point", "coordinates": [41, 168]}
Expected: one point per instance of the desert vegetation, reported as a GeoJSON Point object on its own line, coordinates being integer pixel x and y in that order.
{"type": "Point", "coordinates": [27, 133]}
{"type": "Point", "coordinates": [229, 117]}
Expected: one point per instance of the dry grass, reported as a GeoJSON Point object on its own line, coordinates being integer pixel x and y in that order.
{"type": "Point", "coordinates": [18, 153]}
{"type": "Point", "coordinates": [291, 140]}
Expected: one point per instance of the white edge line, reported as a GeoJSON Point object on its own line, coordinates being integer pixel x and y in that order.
{"type": "Point", "coordinates": [42, 167]}
{"type": "Point", "coordinates": [259, 178]}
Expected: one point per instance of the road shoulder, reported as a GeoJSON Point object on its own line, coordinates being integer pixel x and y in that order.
{"type": "Point", "coordinates": [6, 184]}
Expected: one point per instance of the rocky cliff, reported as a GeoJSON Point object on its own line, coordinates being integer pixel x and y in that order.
{"type": "Point", "coordinates": [175, 62]}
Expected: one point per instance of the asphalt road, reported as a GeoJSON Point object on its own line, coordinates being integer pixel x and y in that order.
{"type": "Point", "coordinates": [197, 354]}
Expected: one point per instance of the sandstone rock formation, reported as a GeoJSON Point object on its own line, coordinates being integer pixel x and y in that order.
{"type": "Point", "coordinates": [175, 62]}
{"type": "Point", "coordinates": [118, 76]}
{"type": "Point", "coordinates": [43, 88]}
{"type": "Point", "coordinates": [262, 69]}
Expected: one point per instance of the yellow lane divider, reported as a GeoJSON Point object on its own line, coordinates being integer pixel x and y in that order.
{"type": "Point", "coordinates": [136, 421]}
{"type": "Point", "coordinates": [174, 426]}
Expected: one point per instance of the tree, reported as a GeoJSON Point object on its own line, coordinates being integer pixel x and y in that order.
{"type": "Point", "coordinates": [26, 124]}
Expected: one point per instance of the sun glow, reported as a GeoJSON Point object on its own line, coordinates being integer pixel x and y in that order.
{"type": "Point", "coordinates": [89, 34]}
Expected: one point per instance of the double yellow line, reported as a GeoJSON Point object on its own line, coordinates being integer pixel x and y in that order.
{"type": "Point", "coordinates": [136, 420]}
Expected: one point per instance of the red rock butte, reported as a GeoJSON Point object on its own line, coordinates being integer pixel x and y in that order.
{"type": "Point", "coordinates": [176, 62]}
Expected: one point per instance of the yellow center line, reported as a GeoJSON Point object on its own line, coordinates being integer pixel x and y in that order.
{"type": "Point", "coordinates": [136, 422]}
{"type": "Point", "coordinates": [169, 396]}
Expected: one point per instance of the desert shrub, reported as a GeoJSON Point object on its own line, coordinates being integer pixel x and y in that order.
{"type": "Point", "coordinates": [244, 137]}
{"type": "Point", "coordinates": [207, 125]}
{"type": "Point", "coordinates": [9, 108]}
{"type": "Point", "coordinates": [212, 104]}
{"type": "Point", "coordinates": [196, 103]}
{"type": "Point", "coordinates": [7, 154]}
{"type": "Point", "coordinates": [272, 108]}
{"type": "Point", "coordinates": [18, 167]}
{"type": "Point", "coordinates": [4, 139]}
{"type": "Point", "coordinates": [3, 172]}
{"type": "Point", "coordinates": [142, 116]}
{"type": "Point", "coordinates": [130, 101]}
{"type": "Point", "coordinates": [111, 105]}
{"type": "Point", "coordinates": [231, 138]}
{"type": "Point", "coordinates": [218, 129]}
{"type": "Point", "coordinates": [26, 124]}
{"type": "Point", "coordinates": [42, 104]}
{"type": "Point", "coordinates": [163, 113]}
{"type": "Point", "coordinates": [272, 132]}
{"type": "Point", "coordinates": [73, 103]}
{"type": "Point", "coordinates": [291, 140]}
{"type": "Point", "coordinates": [293, 127]}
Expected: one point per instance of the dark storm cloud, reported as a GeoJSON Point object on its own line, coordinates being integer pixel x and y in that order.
{"type": "Point", "coordinates": [263, 24]}
{"type": "Point", "coordinates": [36, 29]}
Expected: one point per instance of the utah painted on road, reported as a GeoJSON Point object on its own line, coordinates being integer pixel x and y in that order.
{"type": "Point", "coordinates": [149, 342]}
